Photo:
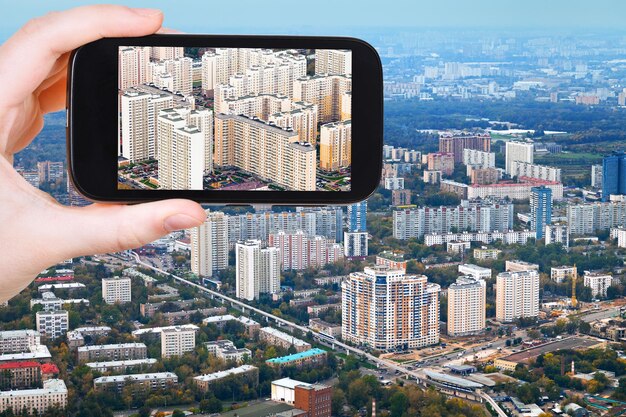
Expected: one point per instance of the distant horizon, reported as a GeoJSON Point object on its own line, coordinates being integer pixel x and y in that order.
{"type": "Point", "coordinates": [559, 17]}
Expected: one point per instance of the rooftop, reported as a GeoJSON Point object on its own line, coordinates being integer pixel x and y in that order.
{"type": "Point", "coordinates": [115, 364]}
{"type": "Point", "coordinates": [289, 383]}
{"type": "Point", "coordinates": [452, 380]}
{"type": "Point", "coordinates": [111, 346]}
{"type": "Point", "coordinates": [223, 374]}
{"type": "Point", "coordinates": [50, 386]}
{"type": "Point", "coordinates": [38, 352]}
{"type": "Point", "coordinates": [296, 356]}
{"type": "Point", "coordinates": [284, 336]}
{"type": "Point", "coordinates": [135, 377]}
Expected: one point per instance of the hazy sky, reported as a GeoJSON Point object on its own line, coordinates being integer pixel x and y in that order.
{"type": "Point", "coordinates": [339, 16]}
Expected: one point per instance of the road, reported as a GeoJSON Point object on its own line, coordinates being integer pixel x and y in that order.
{"type": "Point", "coordinates": [333, 343]}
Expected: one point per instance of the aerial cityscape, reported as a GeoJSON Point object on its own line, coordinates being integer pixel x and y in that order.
{"type": "Point", "coordinates": [484, 277]}
{"type": "Point", "coordinates": [234, 119]}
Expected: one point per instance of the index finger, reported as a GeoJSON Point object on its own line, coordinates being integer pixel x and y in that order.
{"type": "Point", "coordinates": [28, 56]}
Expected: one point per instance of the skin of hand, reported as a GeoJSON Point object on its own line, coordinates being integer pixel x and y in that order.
{"type": "Point", "coordinates": [37, 231]}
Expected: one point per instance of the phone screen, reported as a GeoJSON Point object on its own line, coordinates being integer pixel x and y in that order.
{"type": "Point", "coordinates": [236, 119]}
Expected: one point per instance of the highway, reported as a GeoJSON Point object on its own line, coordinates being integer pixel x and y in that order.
{"type": "Point", "coordinates": [333, 343]}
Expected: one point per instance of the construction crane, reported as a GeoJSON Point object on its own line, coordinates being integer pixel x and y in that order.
{"type": "Point", "coordinates": [574, 300]}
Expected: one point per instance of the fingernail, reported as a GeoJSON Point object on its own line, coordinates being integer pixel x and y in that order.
{"type": "Point", "coordinates": [179, 222]}
{"type": "Point", "coordinates": [147, 12]}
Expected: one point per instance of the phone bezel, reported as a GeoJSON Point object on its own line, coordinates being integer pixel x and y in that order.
{"type": "Point", "coordinates": [92, 118]}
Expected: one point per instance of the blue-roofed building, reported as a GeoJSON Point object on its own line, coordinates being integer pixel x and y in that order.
{"type": "Point", "coordinates": [308, 357]}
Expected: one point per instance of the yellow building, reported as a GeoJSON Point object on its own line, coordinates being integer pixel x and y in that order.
{"type": "Point", "coordinates": [335, 145]}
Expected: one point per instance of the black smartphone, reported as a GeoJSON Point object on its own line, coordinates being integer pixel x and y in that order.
{"type": "Point", "coordinates": [225, 119]}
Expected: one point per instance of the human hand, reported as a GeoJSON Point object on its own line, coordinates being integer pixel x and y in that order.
{"type": "Point", "coordinates": [37, 231]}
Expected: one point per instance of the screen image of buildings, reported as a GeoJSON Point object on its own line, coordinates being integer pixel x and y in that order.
{"type": "Point", "coordinates": [234, 119]}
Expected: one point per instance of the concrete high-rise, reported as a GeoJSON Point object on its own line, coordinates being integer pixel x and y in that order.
{"type": "Point", "coordinates": [357, 216]}
{"type": "Point", "coordinates": [181, 152]}
{"type": "Point", "coordinates": [335, 145]}
{"type": "Point", "coordinates": [326, 91]}
{"type": "Point", "coordinates": [466, 306]}
{"type": "Point", "coordinates": [300, 251]}
{"type": "Point", "coordinates": [257, 270]}
{"type": "Point", "coordinates": [209, 245]}
{"type": "Point", "coordinates": [270, 152]}
{"type": "Point", "coordinates": [613, 175]}
{"type": "Point", "coordinates": [116, 290]}
{"type": "Point", "coordinates": [133, 63]}
{"type": "Point", "coordinates": [518, 151]}
{"type": "Point", "coordinates": [455, 143]}
{"type": "Point", "coordinates": [333, 61]}
{"type": "Point", "coordinates": [540, 209]}
{"type": "Point", "coordinates": [139, 112]}
{"type": "Point", "coordinates": [387, 309]}
{"type": "Point", "coordinates": [517, 295]}
{"type": "Point", "coordinates": [355, 244]}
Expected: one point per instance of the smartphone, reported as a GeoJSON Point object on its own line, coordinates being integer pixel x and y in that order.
{"type": "Point", "coordinates": [225, 119]}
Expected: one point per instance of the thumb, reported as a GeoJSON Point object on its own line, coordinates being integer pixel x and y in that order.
{"type": "Point", "coordinates": [102, 228]}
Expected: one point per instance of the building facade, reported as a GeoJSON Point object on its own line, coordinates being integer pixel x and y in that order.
{"type": "Point", "coordinates": [257, 269]}
{"type": "Point", "coordinates": [466, 306]}
{"type": "Point", "coordinates": [116, 290]}
{"type": "Point", "coordinates": [209, 245]}
{"type": "Point", "coordinates": [387, 309]}
{"type": "Point", "coordinates": [517, 295]}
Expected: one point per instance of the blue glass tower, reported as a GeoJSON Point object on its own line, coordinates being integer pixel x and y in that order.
{"type": "Point", "coordinates": [613, 175]}
{"type": "Point", "coordinates": [357, 214]}
{"type": "Point", "coordinates": [540, 209]}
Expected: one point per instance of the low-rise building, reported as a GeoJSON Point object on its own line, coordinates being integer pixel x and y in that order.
{"type": "Point", "coordinates": [112, 352]}
{"type": "Point", "coordinates": [558, 274]}
{"type": "Point", "coordinates": [485, 253]}
{"type": "Point", "coordinates": [321, 326]}
{"type": "Point", "coordinates": [14, 341]}
{"type": "Point", "coordinates": [227, 351]}
{"type": "Point", "coordinates": [248, 374]}
{"type": "Point", "coordinates": [38, 353]}
{"type": "Point", "coordinates": [252, 327]}
{"type": "Point", "coordinates": [148, 382]}
{"type": "Point", "coordinates": [121, 366]}
{"type": "Point", "coordinates": [475, 271]}
{"type": "Point", "coordinates": [313, 356]}
{"type": "Point", "coordinates": [275, 337]}
{"type": "Point", "coordinates": [457, 246]}
{"type": "Point", "coordinates": [52, 324]}
{"type": "Point", "coordinates": [37, 400]}
{"type": "Point", "coordinates": [598, 282]}
{"type": "Point", "coordinates": [284, 390]}
{"type": "Point", "coordinates": [316, 310]}
{"type": "Point", "coordinates": [20, 375]}
{"type": "Point", "coordinates": [519, 266]}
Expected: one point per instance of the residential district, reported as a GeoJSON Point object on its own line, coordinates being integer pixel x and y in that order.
{"type": "Point", "coordinates": [485, 276]}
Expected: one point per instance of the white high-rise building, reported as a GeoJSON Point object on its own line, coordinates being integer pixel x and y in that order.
{"type": "Point", "coordinates": [589, 218]}
{"type": "Point", "coordinates": [300, 251]}
{"type": "Point", "coordinates": [177, 340]}
{"type": "Point", "coordinates": [466, 306]}
{"type": "Point", "coordinates": [518, 151]}
{"type": "Point", "coordinates": [517, 295]}
{"type": "Point", "coordinates": [257, 270]}
{"type": "Point", "coordinates": [164, 53]}
{"type": "Point", "coordinates": [52, 324]}
{"type": "Point", "coordinates": [173, 75]}
{"type": "Point", "coordinates": [326, 91]}
{"type": "Point", "coordinates": [181, 152]}
{"type": "Point", "coordinates": [116, 290]}
{"type": "Point", "coordinates": [133, 63]}
{"type": "Point", "coordinates": [209, 245]}
{"type": "Point", "coordinates": [139, 111]}
{"type": "Point", "coordinates": [387, 309]}
{"type": "Point", "coordinates": [596, 176]}
{"type": "Point", "coordinates": [478, 158]}
{"type": "Point", "coordinates": [267, 151]}
{"type": "Point", "coordinates": [333, 61]}
{"type": "Point", "coordinates": [355, 244]}
{"type": "Point", "coordinates": [598, 282]}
